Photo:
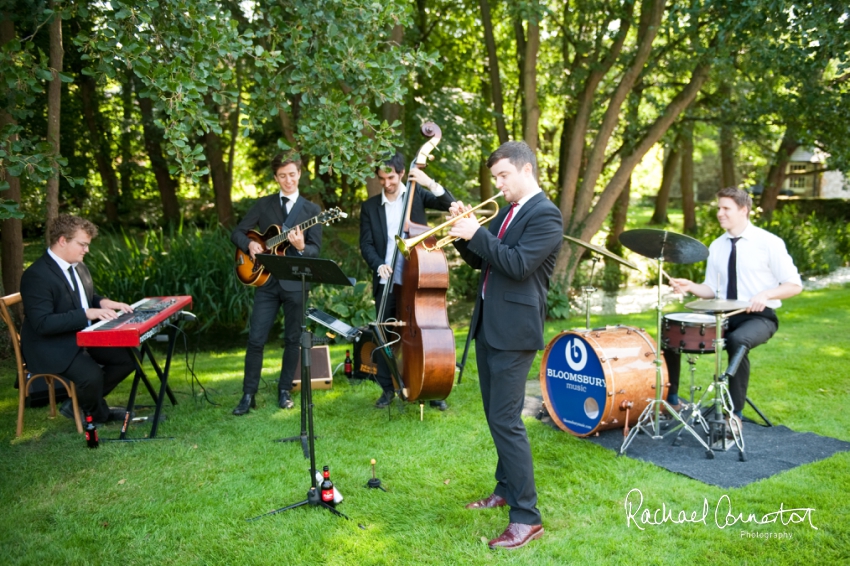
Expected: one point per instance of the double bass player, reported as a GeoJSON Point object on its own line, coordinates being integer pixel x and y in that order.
{"type": "Point", "coordinates": [380, 218]}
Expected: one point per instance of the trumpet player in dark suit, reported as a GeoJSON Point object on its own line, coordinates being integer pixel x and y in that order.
{"type": "Point", "coordinates": [516, 256]}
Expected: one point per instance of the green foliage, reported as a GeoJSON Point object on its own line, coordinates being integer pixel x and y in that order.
{"type": "Point", "coordinates": [817, 246]}
{"type": "Point", "coordinates": [463, 282]}
{"type": "Point", "coordinates": [558, 300]}
{"type": "Point", "coordinates": [182, 261]}
{"type": "Point", "coordinates": [200, 262]}
{"type": "Point", "coordinates": [353, 305]}
{"type": "Point", "coordinates": [318, 66]}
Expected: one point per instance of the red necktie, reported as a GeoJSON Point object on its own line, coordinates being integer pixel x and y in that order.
{"type": "Point", "coordinates": [502, 230]}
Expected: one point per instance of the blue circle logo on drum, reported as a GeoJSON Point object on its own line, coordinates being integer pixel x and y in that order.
{"type": "Point", "coordinates": [575, 383]}
{"type": "Point", "coordinates": [573, 347]}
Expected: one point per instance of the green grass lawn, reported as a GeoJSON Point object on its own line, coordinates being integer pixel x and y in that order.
{"type": "Point", "coordinates": [186, 500]}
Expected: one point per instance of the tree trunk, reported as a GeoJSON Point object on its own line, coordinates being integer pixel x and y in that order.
{"type": "Point", "coordinates": [519, 33]}
{"type": "Point", "coordinates": [650, 19]}
{"type": "Point", "coordinates": [530, 100]}
{"type": "Point", "coordinates": [574, 148]}
{"type": "Point", "coordinates": [218, 173]}
{"type": "Point", "coordinates": [727, 156]}
{"type": "Point", "coordinates": [619, 215]}
{"type": "Point", "coordinates": [585, 227]}
{"type": "Point", "coordinates": [153, 145]}
{"type": "Point", "coordinates": [54, 107]}
{"type": "Point", "coordinates": [495, 79]}
{"type": "Point", "coordinates": [689, 224]}
{"type": "Point", "coordinates": [663, 197]}
{"type": "Point", "coordinates": [391, 111]}
{"type": "Point", "coordinates": [125, 170]}
{"type": "Point", "coordinates": [486, 180]}
{"type": "Point", "coordinates": [234, 126]}
{"type": "Point", "coordinates": [12, 259]}
{"type": "Point", "coordinates": [778, 172]}
{"type": "Point", "coordinates": [102, 153]}
{"type": "Point", "coordinates": [373, 186]}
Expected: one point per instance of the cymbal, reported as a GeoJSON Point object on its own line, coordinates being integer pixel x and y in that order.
{"type": "Point", "coordinates": [717, 305]}
{"type": "Point", "coordinates": [669, 246]}
{"type": "Point", "coordinates": [601, 250]}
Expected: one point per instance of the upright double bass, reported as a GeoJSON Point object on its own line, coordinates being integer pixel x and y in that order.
{"type": "Point", "coordinates": [427, 341]}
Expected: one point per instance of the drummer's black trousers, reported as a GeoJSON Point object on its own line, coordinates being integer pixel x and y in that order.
{"type": "Point", "coordinates": [749, 330]}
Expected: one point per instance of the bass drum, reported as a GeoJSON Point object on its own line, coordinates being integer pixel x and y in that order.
{"type": "Point", "coordinates": [593, 379]}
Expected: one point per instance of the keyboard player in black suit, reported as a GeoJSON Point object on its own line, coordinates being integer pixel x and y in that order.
{"type": "Point", "coordinates": [59, 300]}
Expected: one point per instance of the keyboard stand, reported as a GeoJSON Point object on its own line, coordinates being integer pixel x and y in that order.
{"type": "Point", "coordinates": [138, 358]}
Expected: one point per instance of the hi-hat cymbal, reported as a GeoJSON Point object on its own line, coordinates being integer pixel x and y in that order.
{"type": "Point", "coordinates": [601, 250]}
{"type": "Point", "coordinates": [669, 246]}
{"type": "Point", "coordinates": [717, 305]}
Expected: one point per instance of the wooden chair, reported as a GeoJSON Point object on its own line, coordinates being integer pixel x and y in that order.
{"type": "Point", "coordinates": [24, 383]}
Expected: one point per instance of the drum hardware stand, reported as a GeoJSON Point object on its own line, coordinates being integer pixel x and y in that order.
{"type": "Point", "coordinates": [319, 271]}
{"type": "Point", "coordinates": [587, 291]}
{"type": "Point", "coordinates": [691, 409]}
{"type": "Point", "coordinates": [717, 424]}
{"type": "Point", "coordinates": [760, 414]}
{"type": "Point", "coordinates": [650, 418]}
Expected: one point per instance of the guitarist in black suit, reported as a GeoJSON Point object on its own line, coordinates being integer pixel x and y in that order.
{"type": "Point", "coordinates": [286, 208]}
{"type": "Point", "coordinates": [516, 256]}
{"type": "Point", "coordinates": [380, 217]}
{"type": "Point", "coordinates": [59, 300]}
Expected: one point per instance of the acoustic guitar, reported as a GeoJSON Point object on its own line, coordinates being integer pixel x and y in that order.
{"type": "Point", "coordinates": [275, 241]}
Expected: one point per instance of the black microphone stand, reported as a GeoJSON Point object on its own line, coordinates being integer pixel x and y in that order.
{"type": "Point", "coordinates": [317, 271]}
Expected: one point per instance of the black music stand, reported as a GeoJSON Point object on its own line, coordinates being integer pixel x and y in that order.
{"type": "Point", "coordinates": [312, 270]}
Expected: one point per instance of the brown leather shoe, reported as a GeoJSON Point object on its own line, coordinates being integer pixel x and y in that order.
{"type": "Point", "coordinates": [517, 535]}
{"type": "Point", "coordinates": [488, 503]}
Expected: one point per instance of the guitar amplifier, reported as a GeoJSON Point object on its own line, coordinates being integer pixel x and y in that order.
{"type": "Point", "coordinates": [364, 363]}
{"type": "Point", "coordinates": [321, 374]}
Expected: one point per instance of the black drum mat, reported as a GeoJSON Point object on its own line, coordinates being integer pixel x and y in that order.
{"type": "Point", "coordinates": [769, 450]}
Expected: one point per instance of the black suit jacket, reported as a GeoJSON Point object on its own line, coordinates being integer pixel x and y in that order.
{"type": "Point", "coordinates": [373, 225]}
{"type": "Point", "coordinates": [265, 212]}
{"type": "Point", "coordinates": [53, 315]}
{"type": "Point", "coordinates": [521, 264]}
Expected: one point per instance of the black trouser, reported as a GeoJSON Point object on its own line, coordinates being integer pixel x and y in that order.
{"type": "Point", "coordinates": [267, 302]}
{"type": "Point", "coordinates": [95, 373]}
{"type": "Point", "coordinates": [502, 376]}
{"type": "Point", "coordinates": [748, 329]}
{"type": "Point", "coordinates": [383, 375]}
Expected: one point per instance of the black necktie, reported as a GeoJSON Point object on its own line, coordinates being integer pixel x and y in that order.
{"type": "Point", "coordinates": [76, 289]}
{"type": "Point", "coordinates": [283, 201]}
{"type": "Point", "coordinates": [732, 286]}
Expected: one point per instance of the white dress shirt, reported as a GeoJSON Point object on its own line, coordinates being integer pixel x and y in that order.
{"type": "Point", "coordinates": [291, 200]}
{"type": "Point", "coordinates": [394, 210]}
{"type": "Point", "coordinates": [64, 265]}
{"type": "Point", "coordinates": [519, 206]}
{"type": "Point", "coordinates": [763, 263]}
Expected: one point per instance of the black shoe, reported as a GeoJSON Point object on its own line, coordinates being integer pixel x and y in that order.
{"type": "Point", "coordinates": [439, 404]}
{"type": "Point", "coordinates": [67, 409]}
{"type": "Point", "coordinates": [246, 402]}
{"type": "Point", "coordinates": [385, 399]}
{"type": "Point", "coordinates": [117, 414]}
{"type": "Point", "coordinates": [284, 400]}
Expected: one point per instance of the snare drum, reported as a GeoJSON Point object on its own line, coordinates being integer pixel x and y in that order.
{"type": "Point", "coordinates": [689, 332]}
{"type": "Point", "coordinates": [593, 379]}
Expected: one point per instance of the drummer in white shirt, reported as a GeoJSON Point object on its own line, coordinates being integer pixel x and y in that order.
{"type": "Point", "coordinates": [762, 273]}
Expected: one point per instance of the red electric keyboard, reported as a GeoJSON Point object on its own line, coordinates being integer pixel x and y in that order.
{"type": "Point", "coordinates": [129, 330]}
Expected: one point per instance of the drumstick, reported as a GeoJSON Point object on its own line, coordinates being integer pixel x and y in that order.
{"type": "Point", "coordinates": [733, 313]}
{"type": "Point", "coordinates": [664, 273]}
